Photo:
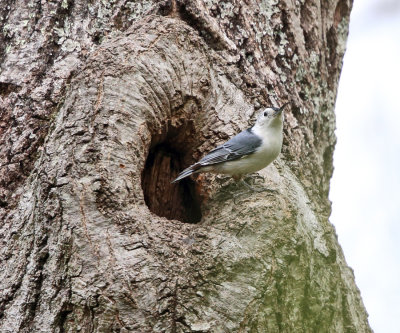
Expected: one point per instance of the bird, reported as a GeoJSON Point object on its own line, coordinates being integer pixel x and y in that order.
{"type": "Point", "coordinates": [249, 151]}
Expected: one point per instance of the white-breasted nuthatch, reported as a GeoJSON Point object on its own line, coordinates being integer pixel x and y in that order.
{"type": "Point", "coordinates": [249, 151]}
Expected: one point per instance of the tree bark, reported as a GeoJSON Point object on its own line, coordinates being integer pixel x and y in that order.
{"type": "Point", "coordinates": [102, 104]}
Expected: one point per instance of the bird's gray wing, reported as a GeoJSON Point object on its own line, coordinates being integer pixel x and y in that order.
{"type": "Point", "coordinates": [243, 144]}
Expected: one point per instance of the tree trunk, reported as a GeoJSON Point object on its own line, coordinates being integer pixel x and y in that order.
{"type": "Point", "coordinates": [102, 104]}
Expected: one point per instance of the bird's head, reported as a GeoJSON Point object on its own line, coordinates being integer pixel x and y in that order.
{"type": "Point", "coordinates": [271, 117]}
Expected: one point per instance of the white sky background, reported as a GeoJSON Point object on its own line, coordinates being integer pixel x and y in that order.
{"type": "Point", "coordinates": [365, 188]}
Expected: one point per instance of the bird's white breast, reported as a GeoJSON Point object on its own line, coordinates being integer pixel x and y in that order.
{"type": "Point", "coordinates": [264, 155]}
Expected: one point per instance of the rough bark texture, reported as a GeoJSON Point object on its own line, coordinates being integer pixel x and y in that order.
{"type": "Point", "coordinates": [103, 103]}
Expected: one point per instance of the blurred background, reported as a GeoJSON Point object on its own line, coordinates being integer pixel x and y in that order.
{"type": "Point", "coordinates": [365, 188]}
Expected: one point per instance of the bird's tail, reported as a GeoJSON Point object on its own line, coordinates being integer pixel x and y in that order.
{"type": "Point", "coordinates": [187, 172]}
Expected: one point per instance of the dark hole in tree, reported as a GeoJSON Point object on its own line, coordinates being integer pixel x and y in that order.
{"type": "Point", "coordinates": [165, 160]}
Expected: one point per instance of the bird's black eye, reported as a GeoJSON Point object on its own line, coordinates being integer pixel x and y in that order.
{"type": "Point", "coordinates": [265, 113]}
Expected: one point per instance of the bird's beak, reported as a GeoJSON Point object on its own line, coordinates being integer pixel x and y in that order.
{"type": "Point", "coordinates": [278, 111]}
